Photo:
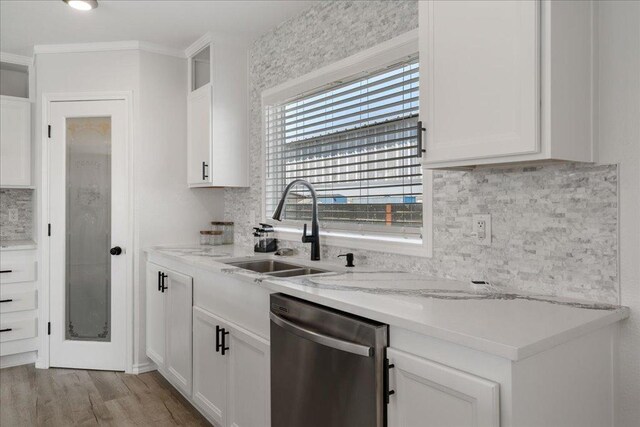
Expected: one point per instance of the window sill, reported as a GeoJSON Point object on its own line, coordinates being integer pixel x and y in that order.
{"type": "Point", "coordinates": [393, 245]}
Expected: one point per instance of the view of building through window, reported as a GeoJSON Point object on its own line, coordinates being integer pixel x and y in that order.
{"type": "Point", "coordinates": [356, 142]}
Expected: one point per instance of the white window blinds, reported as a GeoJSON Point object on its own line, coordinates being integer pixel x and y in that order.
{"type": "Point", "coordinates": [356, 141]}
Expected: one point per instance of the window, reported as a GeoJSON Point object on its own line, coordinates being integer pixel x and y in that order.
{"type": "Point", "coordinates": [356, 142]}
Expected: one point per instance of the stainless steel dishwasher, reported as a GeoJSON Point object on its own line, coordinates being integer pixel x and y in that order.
{"type": "Point", "coordinates": [327, 367]}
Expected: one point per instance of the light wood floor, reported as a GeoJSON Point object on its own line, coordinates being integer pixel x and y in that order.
{"type": "Point", "coordinates": [69, 397]}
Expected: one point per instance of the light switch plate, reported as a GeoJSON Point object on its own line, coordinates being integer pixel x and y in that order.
{"type": "Point", "coordinates": [482, 229]}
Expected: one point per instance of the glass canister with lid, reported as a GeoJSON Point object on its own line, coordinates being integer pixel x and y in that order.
{"type": "Point", "coordinates": [226, 227]}
{"type": "Point", "coordinates": [211, 237]}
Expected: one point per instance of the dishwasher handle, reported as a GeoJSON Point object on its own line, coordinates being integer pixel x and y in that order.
{"type": "Point", "coordinates": [338, 344]}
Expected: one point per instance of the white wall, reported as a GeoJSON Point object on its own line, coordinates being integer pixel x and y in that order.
{"type": "Point", "coordinates": [619, 142]}
{"type": "Point", "coordinates": [166, 211]}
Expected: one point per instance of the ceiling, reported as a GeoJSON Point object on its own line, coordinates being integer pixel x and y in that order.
{"type": "Point", "coordinates": [175, 24]}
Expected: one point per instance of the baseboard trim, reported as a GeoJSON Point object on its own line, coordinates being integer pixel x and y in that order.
{"type": "Point", "coordinates": [18, 359]}
{"type": "Point", "coordinates": [141, 368]}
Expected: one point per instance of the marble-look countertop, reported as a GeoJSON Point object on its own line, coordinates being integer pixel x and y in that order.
{"type": "Point", "coordinates": [499, 321]}
{"type": "Point", "coordinates": [17, 245]}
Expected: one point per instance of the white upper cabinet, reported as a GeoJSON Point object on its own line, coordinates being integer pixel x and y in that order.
{"type": "Point", "coordinates": [217, 114]}
{"type": "Point", "coordinates": [15, 142]}
{"type": "Point", "coordinates": [505, 81]}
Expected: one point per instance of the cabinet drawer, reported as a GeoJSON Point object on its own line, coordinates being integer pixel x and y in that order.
{"type": "Point", "coordinates": [14, 272]}
{"type": "Point", "coordinates": [17, 301]}
{"type": "Point", "coordinates": [18, 329]}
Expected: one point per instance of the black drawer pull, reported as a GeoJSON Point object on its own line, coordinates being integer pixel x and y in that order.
{"type": "Point", "coordinates": [6, 330]}
{"type": "Point", "coordinates": [6, 271]}
{"type": "Point", "coordinates": [5, 300]}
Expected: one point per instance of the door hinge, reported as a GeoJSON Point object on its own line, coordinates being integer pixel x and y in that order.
{"type": "Point", "coordinates": [49, 131]}
{"type": "Point", "coordinates": [48, 229]}
{"type": "Point", "coordinates": [48, 328]}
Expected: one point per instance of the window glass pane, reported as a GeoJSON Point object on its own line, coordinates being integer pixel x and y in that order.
{"type": "Point", "coordinates": [356, 141]}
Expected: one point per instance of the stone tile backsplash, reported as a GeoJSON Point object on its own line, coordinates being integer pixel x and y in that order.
{"type": "Point", "coordinates": [16, 214]}
{"type": "Point", "coordinates": [554, 226]}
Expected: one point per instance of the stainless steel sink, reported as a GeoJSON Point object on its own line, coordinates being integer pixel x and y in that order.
{"type": "Point", "coordinates": [297, 272]}
{"type": "Point", "coordinates": [276, 268]}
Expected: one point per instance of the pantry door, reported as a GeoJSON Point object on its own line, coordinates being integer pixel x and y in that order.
{"type": "Point", "coordinates": [88, 213]}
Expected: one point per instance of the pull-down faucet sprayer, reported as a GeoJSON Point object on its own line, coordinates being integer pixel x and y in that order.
{"type": "Point", "coordinates": [314, 237]}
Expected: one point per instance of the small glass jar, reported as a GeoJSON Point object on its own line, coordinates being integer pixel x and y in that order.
{"type": "Point", "coordinates": [211, 238]}
{"type": "Point", "coordinates": [226, 227]}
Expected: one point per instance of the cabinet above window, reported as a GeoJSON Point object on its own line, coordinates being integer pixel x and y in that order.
{"type": "Point", "coordinates": [217, 114]}
{"type": "Point", "coordinates": [506, 82]}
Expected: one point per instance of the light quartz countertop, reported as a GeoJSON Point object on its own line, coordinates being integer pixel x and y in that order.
{"type": "Point", "coordinates": [17, 245]}
{"type": "Point", "coordinates": [498, 321]}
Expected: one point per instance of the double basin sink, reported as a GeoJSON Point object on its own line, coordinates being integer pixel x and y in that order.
{"type": "Point", "coordinates": [277, 268]}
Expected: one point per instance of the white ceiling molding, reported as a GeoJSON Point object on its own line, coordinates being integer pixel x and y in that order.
{"type": "Point", "coordinates": [16, 59]}
{"type": "Point", "coordinates": [107, 46]}
{"type": "Point", "coordinates": [196, 46]}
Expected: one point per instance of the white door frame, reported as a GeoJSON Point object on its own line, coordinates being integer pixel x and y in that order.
{"type": "Point", "coordinates": [44, 268]}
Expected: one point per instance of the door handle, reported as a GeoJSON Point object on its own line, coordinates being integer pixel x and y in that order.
{"type": "Point", "coordinates": [338, 344]}
{"type": "Point", "coordinates": [6, 300]}
{"type": "Point", "coordinates": [6, 330]}
{"type": "Point", "coordinates": [218, 329]}
{"type": "Point", "coordinates": [6, 271]}
{"type": "Point", "coordinates": [116, 250]}
{"type": "Point", "coordinates": [159, 280]}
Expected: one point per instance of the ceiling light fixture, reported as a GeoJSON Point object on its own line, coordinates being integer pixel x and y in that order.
{"type": "Point", "coordinates": [82, 4]}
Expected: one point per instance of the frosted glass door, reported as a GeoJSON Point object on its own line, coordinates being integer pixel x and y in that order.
{"type": "Point", "coordinates": [88, 199]}
{"type": "Point", "coordinates": [88, 171]}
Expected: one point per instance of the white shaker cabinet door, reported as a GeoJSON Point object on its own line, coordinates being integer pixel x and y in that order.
{"type": "Point", "coordinates": [15, 141]}
{"type": "Point", "coordinates": [155, 319]}
{"type": "Point", "coordinates": [249, 373]}
{"type": "Point", "coordinates": [179, 306]}
{"type": "Point", "coordinates": [199, 136]}
{"type": "Point", "coordinates": [209, 366]}
{"type": "Point", "coordinates": [430, 394]}
{"type": "Point", "coordinates": [479, 90]}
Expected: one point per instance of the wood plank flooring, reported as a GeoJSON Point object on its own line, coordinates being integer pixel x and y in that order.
{"type": "Point", "coordinates": [70, 397]}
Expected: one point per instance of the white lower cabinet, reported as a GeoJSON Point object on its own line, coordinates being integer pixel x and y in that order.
{"type": "Point", "coordinates": [169, 303]}
{"type": "Point", "coordinates": [155, 319]}
{"type": "Point", "coordinates": [209, 366]}
{"type": "Point", "coordinates": [179, 303]}
{"type": "Point", "coordinates": [231, 388]}
{"type": "Point", "coordinates": [431, 394]}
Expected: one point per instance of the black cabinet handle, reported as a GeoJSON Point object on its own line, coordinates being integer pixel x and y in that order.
{"type": "Point", "coordinates": [159, 281]}
{"type": "Point", "coordinates": [6, 271]}
{"type": "Point", "coordinates": [5, 300]}
{"type": "Point", "coordinates": [224, 341]}
{"type": "Point", "coordinates": [387, 392]}
{"type": "Point", "coordinates": [205, 175]}
{"type": "Point", "coordinates": [218, 329]}
{"type": "Point", "coordinates": [420, 130]}
{"type": "Point", "coordinates": [116, 250]}
{"type": "Point", "coordinates": [163, 276]}
{"type": "Point", "coordinates": [6, 330]}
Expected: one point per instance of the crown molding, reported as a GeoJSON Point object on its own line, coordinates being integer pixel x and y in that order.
{"type": "Point", "coordinates": [107, 46]}
{"type": "Point", "coordinates": [196, 46]}
{"type": "Point", "coordinates": [12, 58]}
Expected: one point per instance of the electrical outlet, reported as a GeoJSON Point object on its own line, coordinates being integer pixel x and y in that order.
{"type": "Point", "coordinates": [13, 215]}
{"type": "Point", "coordinates": [482, 229]}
